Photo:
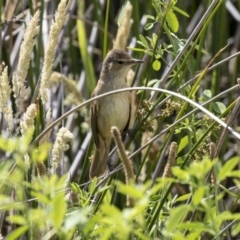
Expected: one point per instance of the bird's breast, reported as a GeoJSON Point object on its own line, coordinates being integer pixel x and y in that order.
{"type": "Point", "coordinates": [114, 110]}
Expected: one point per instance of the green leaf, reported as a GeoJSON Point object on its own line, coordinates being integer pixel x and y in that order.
{"type": "Point", "coordinates": [17, 219]}
{"type": "Point", "coordinates": [121, 14]}
{"type": "Point", "coordinates": [183, 143]}
{"type": "Point", "coordinates": [58, 209]}
{"type": "Point", "coordinates": [226, 215]}
{"type": "Point", "coordinates": [149, 39]}
{"type": "Point", "coordinates": [172, 21]}
{"type": "Point", "coordinates": [7, 203]}
{"type": "Point", "coordinates": [228, 191]}
{"type": "Point", "coordinates": [183, 197]}
{"type": "Point", "coordinates": [148, 52]}
{"type": "Point", "coordinates": [198, 195]}
{"type": "Point", "coordinates": [42, 198]}
{"type": "Point", "coordinates": [176, 217]}
{"type": "Point", "coordinates": [180, 173]}
{"type": "Point", "coordinates": [152, 82]}
{"type": "Point", "coordinates": [199, 134]}
{"type": "Point", "coordinates": [235, 229]}
{"type": "Point", "coordinates": [227, 168]}
{"type": "Point", "coordinates": [102, 189]}
{"type": "Point", "coordinates": [129, 190]}
{"type": "Point", "coordinates": [143, 41]}
{"type": "Point", "coordinates": [41, 154]}
{"type": "Point", "coordinates": [180, 11]}
{"type": "Point", "coordinates": [7, 145]}
{"type": "Point", "coordinates": [177, 44]}
{"type": "Point", "coordinates": [179, 160]}
{"type": "Point", "coordinates": [148, 26]}
{"type": "Point", "coordinates": [136, 49]}
{"type": "Point", "coordinates": [92, 186]}
{"type": "Point", "coordinates": [111, 211]}
{"type": "Point", "coordinates": [75, 218]}
{"type": "Point", "coordinates": [197, 47]}
{"type": "Point", "coordinates": [17, 233]}
{"type": "Point", "coordinates": [156, 65]}
{"type": "Point", "coordinates": [154, 40]}
{"type": "Point", "coordinates": [207, 94]}
{"type": "Point", "coordinates": [75, 187]}
{"type": "Point", "coordinates": [192, 225]}
{"type": "Point", "coordinates": [150, 17]}
{"type": "Point", "coordinates": [219, 107]}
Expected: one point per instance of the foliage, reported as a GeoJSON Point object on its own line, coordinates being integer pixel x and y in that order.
{"type": "Point", "coordinates": [196, 196]}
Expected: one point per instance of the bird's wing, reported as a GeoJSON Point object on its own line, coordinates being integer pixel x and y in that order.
{"type": "Point", "coordinates": [129, 116]}
{"type": "Point", "coordinates": [94, 113]}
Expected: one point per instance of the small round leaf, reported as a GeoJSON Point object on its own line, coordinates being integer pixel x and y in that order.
{"type": "Point", "coordinates": [156, 65]}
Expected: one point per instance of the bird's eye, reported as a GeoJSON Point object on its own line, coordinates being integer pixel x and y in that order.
{"type": "Point", "coordinates": [120, 62]}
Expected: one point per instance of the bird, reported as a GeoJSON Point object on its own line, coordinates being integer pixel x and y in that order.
{"type": "Point", "coordinates": [112, 110]}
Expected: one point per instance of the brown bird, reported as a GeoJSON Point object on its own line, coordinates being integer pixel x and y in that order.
{"type": "Point", "coordinates": [113, 110]}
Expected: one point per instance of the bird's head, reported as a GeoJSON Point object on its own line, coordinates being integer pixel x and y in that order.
{"type": "Point", "coordinates": [118, 63]}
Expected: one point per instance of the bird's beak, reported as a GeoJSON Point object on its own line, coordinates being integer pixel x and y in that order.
{"type": "Point", "coordinates": [136, 61]}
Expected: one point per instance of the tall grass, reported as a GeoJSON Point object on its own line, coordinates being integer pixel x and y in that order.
{"type": "Point", "coordinates": [186, 119]}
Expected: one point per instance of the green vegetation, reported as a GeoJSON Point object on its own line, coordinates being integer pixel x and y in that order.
{"type": "Point", "coordinates": [184, 143]}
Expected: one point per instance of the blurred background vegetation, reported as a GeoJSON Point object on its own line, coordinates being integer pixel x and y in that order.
{"type": "Point", "coordinates": [159, 31]}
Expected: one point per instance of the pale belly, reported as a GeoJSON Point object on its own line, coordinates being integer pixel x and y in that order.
{"type": "Point", "coordinates": [113, 111]}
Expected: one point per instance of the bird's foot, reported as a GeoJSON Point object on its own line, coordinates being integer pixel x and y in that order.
{"type": "Point", "coordinates": [110, 165]}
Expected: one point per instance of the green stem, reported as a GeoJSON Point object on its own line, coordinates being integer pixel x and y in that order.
{"type": "Point", "coordinates": [106, 30]}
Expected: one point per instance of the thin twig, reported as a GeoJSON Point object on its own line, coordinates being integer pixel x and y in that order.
{"type": "Point", "coordinates": [200, 107]}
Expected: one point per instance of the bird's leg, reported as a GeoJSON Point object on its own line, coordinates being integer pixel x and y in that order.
{"type": "Point", "coordinates": [129, 132]}
{"type": "Point", "coordinates": [110, 165]}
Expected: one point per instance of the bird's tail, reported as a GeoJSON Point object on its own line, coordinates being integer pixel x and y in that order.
{"type": "Point", "coordinates": [99, 162]}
